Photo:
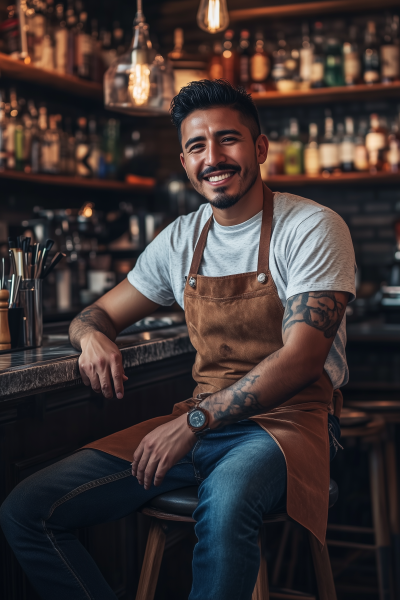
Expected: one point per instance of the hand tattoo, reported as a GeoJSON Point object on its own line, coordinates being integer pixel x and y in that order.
{"type": "Point", "coordinates": [321, 310]}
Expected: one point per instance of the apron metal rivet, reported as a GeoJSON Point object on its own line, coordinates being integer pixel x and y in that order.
{"type": "Point", "coordinates": [262, 278]}
{"type": "Point", "coordinates": [192, 282]}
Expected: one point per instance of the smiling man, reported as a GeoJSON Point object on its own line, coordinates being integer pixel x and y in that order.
{"type": "Point", "coordinates": [264, 279]}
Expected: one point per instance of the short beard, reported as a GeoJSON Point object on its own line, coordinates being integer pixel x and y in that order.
{"type": "Point", "coordinates": [224, 201]}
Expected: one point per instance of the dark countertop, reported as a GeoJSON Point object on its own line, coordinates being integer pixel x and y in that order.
{"type": "Point", "coordinates": [55, 364]}
{"type": "Point", "coordinates": [373, 331]}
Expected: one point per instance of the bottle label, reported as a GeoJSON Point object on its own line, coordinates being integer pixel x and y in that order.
{"type": "Point", "coordinates": [317, 72]}
{"type": "Point", "coordinates": [259, 67]}
{"type": "Point", "coordinates": [390, 61]}
{"type": "Point", "coordinates": [346, 152]}
{"type": "Point", "coordinates": [374, 140]}
{"type": "Point", "coordinates": [371, 76]}
{"type": "Point", "coordinates": [352, 67]}
{"type": "Point", "coordinates": [393, 155]}
{"type": "Point", "coordinates": [61, 38]}
{"type": "Point", "coordinates": [361, 158]}
{"type": "Point", "coordinates": [311, 161]}
{"type": "Point", "coordinates": [306, 58]}
{"type": "Point", "coordinates": [328, 155]}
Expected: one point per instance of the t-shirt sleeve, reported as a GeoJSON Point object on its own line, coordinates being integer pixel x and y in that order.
{"type": "Point", "coordinates": [321, 256]}
{"type": "Point", "coordinates": [151, 274]}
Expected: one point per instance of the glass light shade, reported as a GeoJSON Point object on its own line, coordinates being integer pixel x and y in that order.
{"type": "Point", "coordinates": [139, 82]}
{"type": "Point", "coordinates": [213, 15]}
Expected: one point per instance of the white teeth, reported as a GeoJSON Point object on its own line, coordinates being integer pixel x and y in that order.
{"type": "Point", "coordinates": [219, 177]}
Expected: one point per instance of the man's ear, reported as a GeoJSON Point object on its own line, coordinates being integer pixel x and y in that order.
{"type": "Point", "coordinates": [262, 146]}
{"type": "Point", "coordinates": [182, 160]}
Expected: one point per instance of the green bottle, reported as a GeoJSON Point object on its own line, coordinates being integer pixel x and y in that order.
{"type": "Point", "coordinates": [19, 147]}
{"type": "Point", "coordinates": [333, 75]}
{"type": "Point", "coordinates": [293, 164]}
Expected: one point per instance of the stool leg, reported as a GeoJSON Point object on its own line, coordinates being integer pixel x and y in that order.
{"type": "Point", "coordinates": [379, 513]}
{"type": "Point", "coordinates": [152, 562]}
{"type": "Point", "coordinates": [394, 500]}
{"type": "Point", "coordinates": [323, 571]}
{"type": "Point", "coordinates": [287, 528]}
{"type": "Point", "coordinates": [261, 589]}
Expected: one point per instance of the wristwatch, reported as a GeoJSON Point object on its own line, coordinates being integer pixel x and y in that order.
{"type": "Point", "coordinates": [198, 419]}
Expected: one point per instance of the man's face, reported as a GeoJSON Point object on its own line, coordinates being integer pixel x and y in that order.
{"type": "Point", "coordinates": [219, 155]}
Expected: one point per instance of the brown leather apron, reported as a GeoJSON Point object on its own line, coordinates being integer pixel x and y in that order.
{"type": "Point", "coordinates": [234, 322]}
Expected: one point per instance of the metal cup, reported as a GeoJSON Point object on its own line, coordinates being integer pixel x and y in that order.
{"type": "Point", "coordinates": [30, 299]}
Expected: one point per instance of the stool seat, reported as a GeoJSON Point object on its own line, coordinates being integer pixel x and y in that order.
{"type": "Point", "coordinates": [184, 501]}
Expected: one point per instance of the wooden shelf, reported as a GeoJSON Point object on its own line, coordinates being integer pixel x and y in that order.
{"type": "Point", "coordinates": [341, 179]}
{"type": "Point", "coordinates": [363, 91]}
{"type": "Point", "coordinates": [16, 69]}
{"type": "Point", "coordinates": [306, 9]}
{"type": "Point", "coordinates": [77, 182]}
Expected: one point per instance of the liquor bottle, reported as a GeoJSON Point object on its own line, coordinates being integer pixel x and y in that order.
{"type": "Point", "coordinates": [393, 153]}
{"type": "Point", "coordinates": [97, 68]}
{"type": "Point", "coordinates": [311, 152]}
{"type": "Point", "coordinates": [108, 53]}
{"type": "Point", "coordinates": [318, 62]}
{"type": "Point", "coordinates": [12, 122]}
{"type": "Point", "coordinates": [34, 158]}
{"type": "Point", "coordinates": [50, 149]}
{"type": "Point", "coordinates": [215, 68]}
{"type": "Point", "coordinates": [333, 63]}
{"type": "Point", "coordinates": [83, 48]}
{"type": "Point", "coordinates": [306, 58]}
{"type": "Point", "coordinates": [244, 59]}
{"type": "Point", "coordinates": [375, 142]}
{"type": "Point", "coordinates": [229, 58]}
{"type": "Point", "coordinates": [43, 154]}
{"type": "Point", "coordinates": [360, 152]}
{"type": "Point", "coordinates": [292, 66]}
{"type": "Point", "coordinates": [69, 148]}
{"type": "Point", "coordinates": [260, 65]}
{"type": "Point", "coordinates": [39, 31]}
{"type": "Point", "coordinates": [351, 59]}
{"type": "Point", "coordinates": [3, 129]}
{"type": "Point", "coordinates": [279, 56]}
{"type": "Point", "coordinates": [347, 147]}
{"type": "Point", "coordinates": [61, 41]}
{"type": "Point", "coordinates": [118, 38]}
{"type": "Point", "coordinates": [95, 150]}
{"type": "Point", "coordinates": [9, 32]}
{"type": "Point", "coordinates": [82, 150]}
{"type": "Point", "coordinates": [293, 164]}
{"type": "Point", "coordinates": [389, 51]}
{"type": "Point", "coordinates": [328, 149]}
{"type": "Point", "coordinates": [371, 55]}
{"type": "Point", "coordinates": [72, 32]}
{"type": "Point", "coordinates": [274, 165]}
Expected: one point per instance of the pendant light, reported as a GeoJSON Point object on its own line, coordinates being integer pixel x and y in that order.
{"type": "Point", "coordinates": [213, 15]}
{"type": "Point", "coordinates": [139, 82]}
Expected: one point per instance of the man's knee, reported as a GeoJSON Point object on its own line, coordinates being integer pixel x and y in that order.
{"type": "Point", "coordinates": [22, 507]}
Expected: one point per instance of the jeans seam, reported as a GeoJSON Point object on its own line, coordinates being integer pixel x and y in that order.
{"type": "Point", "coordinates": [88, 486]}
{"type": "Point", "coordinates": [197, 475]}
{"type": "Point", "coordinates": [52, 541]}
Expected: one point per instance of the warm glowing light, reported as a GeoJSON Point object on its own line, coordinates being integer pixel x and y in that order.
{"type": "Point", "coordinates": [87, 210]}
{"type": "Point", "coordinates": [213, 16]}
{"type": "Point", "coordinates": [27, 60]}
{"type": "Point", "coordinates": [139, 83]}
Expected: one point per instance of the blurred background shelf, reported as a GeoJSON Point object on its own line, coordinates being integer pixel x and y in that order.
{"type": "Point", "coordinates": [15, 69]}
{"type": "Point", "coordinates": [77, 182]}
{"type": "Point", "coordinates": [340, 179]}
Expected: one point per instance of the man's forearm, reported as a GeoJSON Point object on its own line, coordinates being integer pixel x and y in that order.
{"type": "Point", "coordinates": [91, 319]}
{"type": "Point", "coordinates": [272, 382]}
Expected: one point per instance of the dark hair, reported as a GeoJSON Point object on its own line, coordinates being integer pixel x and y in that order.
{"type": "Point", "coordinates": [204, 94]}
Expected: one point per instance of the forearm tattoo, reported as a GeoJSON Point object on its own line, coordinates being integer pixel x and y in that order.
{"type": "Point", "coordinates": [321, 310]}
{"type": "Point", "coordinates": [92, 318]}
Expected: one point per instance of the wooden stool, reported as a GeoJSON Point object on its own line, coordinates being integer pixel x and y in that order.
{"type": "Point", "coordinates": [357, 424]}
{"type": "Point", "coordinates": [180, 504]}
{"type": "Point", "coordinates": [389, 411]}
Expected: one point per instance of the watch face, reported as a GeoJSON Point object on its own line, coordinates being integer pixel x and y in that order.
{"type": "Point", "coordinates": [197, 418]}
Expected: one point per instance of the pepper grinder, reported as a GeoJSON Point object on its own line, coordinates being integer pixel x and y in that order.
{"type": "Point", "coordinates": [5, 338]}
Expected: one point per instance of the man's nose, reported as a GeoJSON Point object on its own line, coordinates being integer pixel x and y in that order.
{"type": "Point", "coordinates": [215, 154]}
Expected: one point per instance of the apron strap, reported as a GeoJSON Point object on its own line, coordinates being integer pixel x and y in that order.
{"type": "Point", "coordinates": [266, 228]}
{"type": "Point", "coordinates": [265, 237]}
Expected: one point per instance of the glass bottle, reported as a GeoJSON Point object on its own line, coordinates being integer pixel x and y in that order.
{"type": "Point", "coordinates": [293, 161]}
{"type": "Point", "coordinates": [84, 48]}
{"type": "Point", "coordinates": [39, 29]}
{"type": "Point", "coordinates": [108, 54]}
{"type": "Point", "coordinates": [274, 165]}
{"type": "Point", "coordinates": [278, 72]}
{"type": "Point", "coordinates": [260, 64]}
{"type": "Point", "coordinates": [43, 147]}
{"type": "Point", "coordinates": [95, 149]}
{"type": "Point", "coordinates": [3, 130]}
{"type": "Point", "coordinates": [51, 147]}
{"type": "Point", "coordinates": [389, 51]}
{"type": "Point", "coordinates": [9, 32]}
{"type": "Point", "coordinates": [311, 152]}
{"type": "Point", "coordinates": [72, 32]}
{"type": "Point", "coordinates": [351, 59]}
{"type": "Point", "coordinates": [333, 63]}
{"type": "Point", "coordinates": [82, 150]}
{"type": "Point", "coordinates": [371, 55]}
{"type": "Point", "coordinates": [118, 38]}
{"type": "Point", "coordinates": [244, 59]}
{"type": "Point", "coordinates": [34, 158]}
{"type": "Point", "coordinates": [360, 151]}
{"type": "Point", "coordinates": [328, 149]}
{"type": "Point", "coordinates": [12, 122]}
{"type": "Point", "coordinates": [215, 68]}
{"type": "Point", "coordinates": [375, 142]}
{"type": "Point", "coordinates": [229, 58]}
{"type": "Point", "coordinates": [393, 153]}
{"type": "Point", "coordinates": [318, 61]}
{"type": "Point", "coordinates": [347, 147]}
{"type": "Point", "coordinates": [61, 41]}
{"type": "Point", "coordinates": [306, 57]}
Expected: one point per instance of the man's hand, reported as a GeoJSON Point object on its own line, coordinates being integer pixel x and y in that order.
{"type": "Point", "coordinates": [100, 363]}
{"type": "Point", "coordinates": [160, 450]}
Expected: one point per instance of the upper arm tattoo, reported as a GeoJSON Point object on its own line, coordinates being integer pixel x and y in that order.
{"type": "Point", "coordinates": [321, 310]}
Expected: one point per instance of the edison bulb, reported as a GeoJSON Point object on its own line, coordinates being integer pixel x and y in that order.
{"type": "Point", "coordinates": [213, 16]}
{"type": "Point", "coordinates": [139, 83]}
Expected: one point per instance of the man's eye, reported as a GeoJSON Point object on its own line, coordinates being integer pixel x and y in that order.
{"type": "Point", "coordinates": [229, 139]}
{"type": "Point", "coordinates": [196, 147]}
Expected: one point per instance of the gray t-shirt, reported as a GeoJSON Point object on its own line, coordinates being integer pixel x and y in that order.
{"type": "Point", "coordinates": [311, 250]}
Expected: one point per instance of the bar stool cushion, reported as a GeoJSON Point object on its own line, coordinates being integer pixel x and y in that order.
{"type": "Point", "coordinates": [184, 500]}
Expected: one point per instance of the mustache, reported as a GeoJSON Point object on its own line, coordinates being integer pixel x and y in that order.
{"type": "Point", "coordinates": [222, 167]}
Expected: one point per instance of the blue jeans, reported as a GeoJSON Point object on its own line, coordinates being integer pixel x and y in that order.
{"type": "Point", "coordinates": [242, 475]}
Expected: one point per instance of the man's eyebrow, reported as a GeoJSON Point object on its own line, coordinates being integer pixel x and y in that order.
{"type": "Point", "coordinates": [201, 138]}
